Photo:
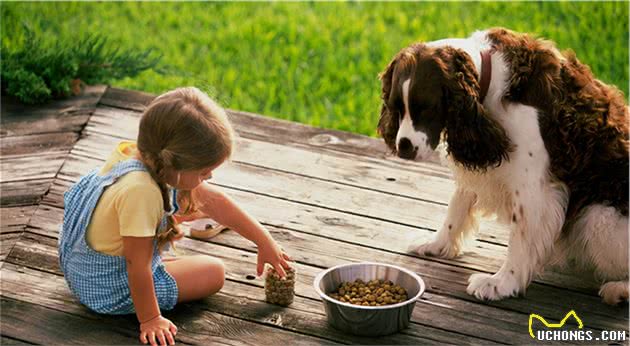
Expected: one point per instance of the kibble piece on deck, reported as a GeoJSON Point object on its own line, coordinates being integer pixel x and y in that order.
{"type": "Point", "coordinates": [280, 291]}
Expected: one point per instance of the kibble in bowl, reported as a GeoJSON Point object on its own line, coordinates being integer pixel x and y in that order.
{"type": "Point", "coordinates": [372, 293]}
{"type": "Point", "coordinates": [366, 309]}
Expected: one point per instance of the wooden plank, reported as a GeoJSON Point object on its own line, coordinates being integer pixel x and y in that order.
{"type": "Point", "coordinates": [12, 224]}
{"type": "Point", "coordinates": [449, 309]}
{"type": "Point", "coordinates": [276, 130]}
{"type": "Point", "coordinates": [349, 227]}
{"type": "Point", "coordinates": [231, 242]}
{"type": "Point", "coordinates": [307, 222]}
{"type": "Point", "coordinates": [441, 279]}
{"type": "Point", "coordinates": [254, 294]}
{"type": "Point", "coordinates": [76, 166]}
{"type": "Point", "coordinates": [10, 341]}
{"type": "Point", "coordinates": [15, 216]}
{"type": "Point", "coordinates": [344, 198]}
{"type": "Point", "coordinates": [69, 114]}
{"type": "Point", "coordinates": [57, 142]}
{"type": "Point", "coordinates": [286, 132]}
{"type": "Point", "coordinates": [19, 193]}
{"type": "Point", "coordinates": [286, 185]}
{"type": "Point", "coordinates": [320, 221]}
{"type": "Point", "coordinates": [42, 325]}
{"type": "Point", "coordinates": [126, 99]}
{"type": "Point", "coordinates": [8, 241]}
{"type": "Point", "coordinates": [34, 167]}
{"type": "Point", "coordinates": [356, 204]}
{"type": "Point", "coordinates": [362, 175]}
{"type": "Point", "coordinates": [69, 121]}
{"type": "Point", "coordinates": [308, 316]}
{"type": "Point", "coordinates": [54, 197]}
{"type": "Point", "coordinates": [446, 313]}
{"type": "Point", "coordinates": [352, 200]}
{"type": "Point", "coordinates": [423, 183]}
{"type": "Point", "coordinates": [235, 300]}
{"type": "Point", "coordinates": [270, 172]}
{"type": "Point", "coordinates": [547, 300]}
{"type": "Point", "coordinates": [122, 123]}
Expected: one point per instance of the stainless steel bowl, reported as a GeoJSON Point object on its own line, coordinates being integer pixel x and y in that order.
{"type": "Point", "coordinates": [368, 320]}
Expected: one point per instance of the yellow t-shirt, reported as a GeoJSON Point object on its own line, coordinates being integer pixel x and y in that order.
{"type": "Point", "coordinates": [130, 207]}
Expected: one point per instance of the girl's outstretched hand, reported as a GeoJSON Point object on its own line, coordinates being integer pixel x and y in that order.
{"type": "Point", "coordinates": [158, 331]}
{"type": "Point", "coordinates": [271, 253]}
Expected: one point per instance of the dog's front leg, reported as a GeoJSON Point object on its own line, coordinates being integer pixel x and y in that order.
{"type": "Point", "coordinates": [537, 219]}
{"type": "Point", "coordinates": [459, 223]}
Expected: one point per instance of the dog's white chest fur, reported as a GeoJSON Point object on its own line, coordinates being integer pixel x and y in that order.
{"type": "Point", "coordinates": [499, 189]}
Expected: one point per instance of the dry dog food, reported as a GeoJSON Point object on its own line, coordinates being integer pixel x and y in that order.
{"type": "Point", "coordinates": [280, 291]}
{"type": "Point", "coordinates": [371, 293]}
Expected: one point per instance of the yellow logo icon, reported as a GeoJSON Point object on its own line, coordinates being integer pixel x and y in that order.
{"type": "Point", "coordinates": [553, 325]}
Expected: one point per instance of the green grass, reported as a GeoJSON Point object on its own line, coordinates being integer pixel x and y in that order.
{"type": "Point", "coordinates": [315, 63]}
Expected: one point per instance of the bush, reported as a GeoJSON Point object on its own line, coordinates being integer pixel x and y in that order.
{"type": "Point", "coordinates": [36, 71]}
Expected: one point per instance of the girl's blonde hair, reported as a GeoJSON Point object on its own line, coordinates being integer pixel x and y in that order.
{"type": "Point", "coordinates": [182, 129]}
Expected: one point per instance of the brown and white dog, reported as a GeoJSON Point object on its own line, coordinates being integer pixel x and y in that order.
{"type": "Point", "coordinates": [531, 136]}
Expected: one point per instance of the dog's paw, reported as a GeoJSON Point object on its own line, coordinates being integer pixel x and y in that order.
{"type": "Point", "coordinates": [492, 287]}
{"type": "Point", "coordinates": [614, 292]}
{"type": "Point", "coordinates": [436, 248]}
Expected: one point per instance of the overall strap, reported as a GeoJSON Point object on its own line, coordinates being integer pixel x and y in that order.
{"type": "Point", "coordinates": [81, 199]}
{"type": "Point", "coordinates": [125, 167]}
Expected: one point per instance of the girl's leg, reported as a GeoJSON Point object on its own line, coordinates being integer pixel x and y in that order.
{"type": "Point", "coordinates": [197, 276]}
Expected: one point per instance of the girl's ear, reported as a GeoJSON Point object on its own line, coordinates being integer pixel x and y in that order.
{"type": "Point", "coordinates": [474, 139]}
{"type": "Point", "coordinates": [388, 121]}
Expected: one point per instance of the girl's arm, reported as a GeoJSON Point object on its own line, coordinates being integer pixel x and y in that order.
{"type": "Point", "coordinates": [216, 205]}
{"type": "Point", "coordinates": [138, 252]}
{"type": "Point", "coordinates": [154, 328]}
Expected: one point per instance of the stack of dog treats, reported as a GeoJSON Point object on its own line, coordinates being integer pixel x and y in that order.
{"type": "Point", "coordinates": [279, 291]}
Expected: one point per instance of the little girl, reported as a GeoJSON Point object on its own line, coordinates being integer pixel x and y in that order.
{"type": "Point", "coordinates": [117, 220]}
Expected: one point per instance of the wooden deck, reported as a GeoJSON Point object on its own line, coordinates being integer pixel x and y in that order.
{"type": "Point", "coordinates": [328, 197]}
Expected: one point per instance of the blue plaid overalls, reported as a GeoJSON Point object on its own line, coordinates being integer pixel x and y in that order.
{"type": "Point", "coordinates": [99, 280]}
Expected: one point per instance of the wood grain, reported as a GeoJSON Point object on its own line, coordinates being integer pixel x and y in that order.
{"type": "Point", "coordinates": [256, 126]}
{"type": "Point", "coordinates": [236, 301]}
{"type": "Point", "coordinates": [64, 115]}
{"type": "Point", "coordinates": [450, 286]}
{"type": "Point", "coordinates": [56, 142]}
{"type": "Point", "coordinates": [328, 197]}
{"type": "Point", "coordinates": [23, 192]}
{"type": "Point", "coordinates": [368, 214]}
{"type": "Point", "coordinates": [238, 298]}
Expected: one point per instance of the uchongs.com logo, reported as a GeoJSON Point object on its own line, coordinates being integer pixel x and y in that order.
{"type": "Point", "coordinates": [552, 331]}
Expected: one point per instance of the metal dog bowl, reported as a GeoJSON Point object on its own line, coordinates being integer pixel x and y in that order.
{"type": "Point", "coordinates": [368, 320]}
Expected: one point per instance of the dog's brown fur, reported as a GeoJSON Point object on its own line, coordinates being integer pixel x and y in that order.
{"type": "Point", "coordinates": [583, 121]}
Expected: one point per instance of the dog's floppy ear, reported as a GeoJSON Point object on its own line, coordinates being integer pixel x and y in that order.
{"type": "Point", "coordinates": [474, 139]}
{"type": "Point", "coordinates": [388, 122]}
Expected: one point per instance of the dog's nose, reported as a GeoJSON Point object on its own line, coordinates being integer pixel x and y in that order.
{"type": "Point", "coordinates": [406, 150]}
